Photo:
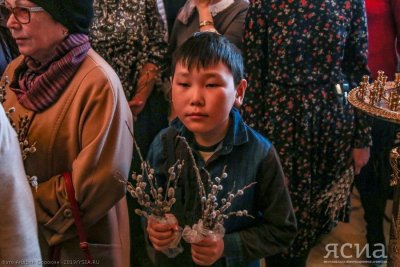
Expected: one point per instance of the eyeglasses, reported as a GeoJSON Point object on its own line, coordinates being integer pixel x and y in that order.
{"type": "Point", "coordinates": [21, 13]}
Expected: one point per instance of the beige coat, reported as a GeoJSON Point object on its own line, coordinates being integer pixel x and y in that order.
{"type": "Point", "coordinates": [84, 133]}
{"type": "Point", "coordinates": [18, 228]}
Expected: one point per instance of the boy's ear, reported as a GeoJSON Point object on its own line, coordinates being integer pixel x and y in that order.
{"type": "Point", "coordinates": [240, 90]}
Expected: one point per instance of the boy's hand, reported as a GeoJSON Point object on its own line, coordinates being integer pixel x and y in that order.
{"type": "Point", "coordinates": [207, 251]}
{"type": "Point", "coordinates": [161, 235]}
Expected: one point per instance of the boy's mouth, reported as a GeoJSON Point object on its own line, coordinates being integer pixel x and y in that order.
{"type": "Point", "coordinates": [196, 115]}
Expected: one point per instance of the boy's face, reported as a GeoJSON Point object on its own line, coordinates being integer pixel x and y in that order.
{"type": "Point", "coordinates": [203, 98]}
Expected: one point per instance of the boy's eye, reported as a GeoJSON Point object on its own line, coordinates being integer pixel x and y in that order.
{"type": "Point", "coordinates": [182, 84]}
{"type": "Point", "coordinates": [212, 85]}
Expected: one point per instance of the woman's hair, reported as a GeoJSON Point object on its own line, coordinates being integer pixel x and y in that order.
{"type": "Point", "coordinates": [205, 49]}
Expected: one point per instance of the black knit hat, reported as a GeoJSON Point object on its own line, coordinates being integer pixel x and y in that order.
{"type": "Point", "coordinates": [75, 15]}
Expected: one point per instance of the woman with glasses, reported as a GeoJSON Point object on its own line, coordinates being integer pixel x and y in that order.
{"type": "Point", "coordinates": [73, 131]}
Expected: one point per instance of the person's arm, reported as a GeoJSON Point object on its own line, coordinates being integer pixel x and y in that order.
{"type": "Point", "coordinates": [354, 67]}
{"type": "Point", "coordinates": [155, 49]}
{"type": "Point", "coordinates": [206, 21]}
{"type": "Point", "coordinates": [18, 231]}
{"type": "Point", "coordinates": [355, 54]}
{"type": "Point", "coordinates": [255, 45]}
{"type": "Point", "coordinates": [234, 31]}
{"type": "Point", "coordinates": [105, 152]}
{"type": "Point", "coordinates": [276, 227]}
{"type": "Point", "coordinates": [144, 87]}
{"type": "Point", "coordinates": [232, 27]}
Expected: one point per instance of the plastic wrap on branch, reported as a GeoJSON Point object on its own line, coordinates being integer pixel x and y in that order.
{"type": "Point", "coordinates": [198, 232]}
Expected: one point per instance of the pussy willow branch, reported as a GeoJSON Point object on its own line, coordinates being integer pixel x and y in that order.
{"type": "Point", "coordinates": [238, 193]}
{"type": "Point", "coordinates": [202, 191]}
{"type": "Point", "coordinates": [158, 204]}
{"type": "Point", "coordinates": [145, 168]}
{"type": "Point", "coordinates": [212, 212]}
{"type": "Point", "coordinates": [134, 142]}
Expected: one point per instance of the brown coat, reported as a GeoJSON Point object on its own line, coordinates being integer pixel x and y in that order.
{"type": "Point", "coordinates": [84, 133]}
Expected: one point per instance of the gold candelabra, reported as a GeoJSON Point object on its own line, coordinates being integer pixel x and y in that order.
{"type": "Point", "coordinates": [381, 99]}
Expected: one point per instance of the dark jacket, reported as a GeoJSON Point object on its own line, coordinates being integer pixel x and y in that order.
{"type": "Point", "coordinates": [248, 157]}
{"type": "Point", "coordinates": [8, 49]}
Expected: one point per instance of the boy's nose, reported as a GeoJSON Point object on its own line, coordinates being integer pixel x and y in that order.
{"type": "Point", "coordinates": [197, 97]}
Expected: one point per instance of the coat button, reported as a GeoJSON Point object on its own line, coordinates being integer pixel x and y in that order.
{"type": "Point", "coordinates": [67, 213]}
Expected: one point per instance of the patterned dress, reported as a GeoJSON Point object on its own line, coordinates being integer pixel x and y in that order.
{"type": "Point", "coordinates": [128, 34]}
{"type": "Point", "coordinates": [295, 53]}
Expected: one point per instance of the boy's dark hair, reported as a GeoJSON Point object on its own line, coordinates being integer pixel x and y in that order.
{"type": "Point", "coordinates": [205, 49]}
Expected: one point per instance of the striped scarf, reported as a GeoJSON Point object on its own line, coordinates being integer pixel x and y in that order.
{"type": "Point", "coordinates": [38, 86]}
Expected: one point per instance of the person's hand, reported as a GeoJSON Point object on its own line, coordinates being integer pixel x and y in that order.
{"type": "Point", "coordinates": [360, 158]}
{"type": "Point", "coordinates": [136, 104]}
{"type": "Point", "coordinates": [207, 251]}
{"type": "Point", "coordinates": [202, 3]}
{"type": "Point", "coordinates": [144, 87]}
{"type": "Point", "coordinates": [161, 235]}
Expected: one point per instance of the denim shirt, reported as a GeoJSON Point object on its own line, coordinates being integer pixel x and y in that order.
{"type": "Point", "coordinates": [248, 157]}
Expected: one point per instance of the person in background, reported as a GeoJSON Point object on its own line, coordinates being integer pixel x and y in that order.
{"type": "Point", "coordinates": [225, 17]}
{"type": "Point", "coordinates": [169, 10]}
{"type": "Point", "coordinates": [18, 231]}
{"type": "Point", "coordinates": [301, 58]}
{"type": "Point", "coordinates": [74, 125]}
{"type": "Point", "coordinates": [373, 181]}
{"type": "Point", "coordinates": [129, 35]}
{"type": "Point", "coordinates": [8, 48]}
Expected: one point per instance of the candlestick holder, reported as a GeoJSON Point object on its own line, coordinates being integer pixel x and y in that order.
{"type": "Point", "coordinates": [381, 99]}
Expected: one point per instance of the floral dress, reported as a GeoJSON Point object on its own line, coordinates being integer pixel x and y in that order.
{"type": "Point", "coordinates": [295, 53]}
{"type": "Point", "coordinates": [128, 34]}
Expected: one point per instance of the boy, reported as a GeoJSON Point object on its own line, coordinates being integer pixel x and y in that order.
{"type": "Point", "coordinates": [207, 81]}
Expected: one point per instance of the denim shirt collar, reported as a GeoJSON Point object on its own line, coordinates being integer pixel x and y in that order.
{"type": "Point", "coordinates": [237, 133]}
